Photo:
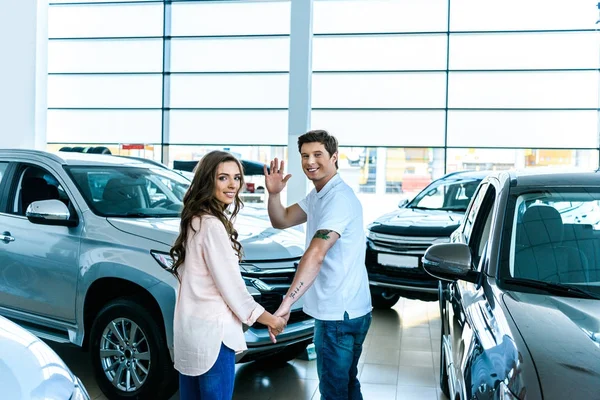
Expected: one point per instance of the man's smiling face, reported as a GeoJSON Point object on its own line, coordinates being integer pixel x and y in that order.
{"type": "Point", "coordinates": [317, 163]}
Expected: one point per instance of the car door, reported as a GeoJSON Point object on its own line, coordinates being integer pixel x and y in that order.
{"type": "Point", "coordinates": [38, 263]}
{"type": "Point", "coordinates": [466, 303]}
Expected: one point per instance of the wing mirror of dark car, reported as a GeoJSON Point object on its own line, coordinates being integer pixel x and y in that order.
{"type": "Point", "coordinates": [450, 261]}
{"type": "Point", "coordinates": [49, 212]}
{"type": "Point", "coordinates": [402, 203]}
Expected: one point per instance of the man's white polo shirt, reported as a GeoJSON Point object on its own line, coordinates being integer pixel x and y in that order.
{"type": "Point", "coordinates": [342, 284]}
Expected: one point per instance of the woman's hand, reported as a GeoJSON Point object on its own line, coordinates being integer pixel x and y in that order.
{"type": "Point", "coordinates": [276, 327]}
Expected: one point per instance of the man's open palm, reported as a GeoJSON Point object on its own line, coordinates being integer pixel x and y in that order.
{"type": "Point", "coordinates": [275, 178]}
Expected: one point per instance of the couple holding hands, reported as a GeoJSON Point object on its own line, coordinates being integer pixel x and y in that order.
{"type": "Point", "coordinates": [212, 300]}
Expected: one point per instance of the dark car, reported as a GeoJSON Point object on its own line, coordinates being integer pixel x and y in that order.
{"type": "Point", "coordinates": [397, 240]}
{"type": "Point", "coordinates": [521, 316]}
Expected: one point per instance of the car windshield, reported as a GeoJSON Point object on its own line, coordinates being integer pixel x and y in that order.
{"type": "Point", "coordinates": [556, 239]}
{"type": "Point", "coordinates": [449, 195]}
{"type": "Point", "coordinates": [121, 191]}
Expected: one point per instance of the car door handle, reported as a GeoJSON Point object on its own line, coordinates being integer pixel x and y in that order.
{"type": "Point", "coordinates": [6, 237]}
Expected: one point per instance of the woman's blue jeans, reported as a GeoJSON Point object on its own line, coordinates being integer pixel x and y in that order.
{"type": "Point", "coordinates": [338, 345]}
{"type": "Point", "coordinates": [216, 384]}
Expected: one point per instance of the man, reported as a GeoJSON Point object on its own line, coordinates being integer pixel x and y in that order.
{"type": "Point", "coordinates": [331, 275]}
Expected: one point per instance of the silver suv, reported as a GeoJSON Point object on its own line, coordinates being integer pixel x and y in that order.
{"type": "Point", "coordinates": [84, 243]}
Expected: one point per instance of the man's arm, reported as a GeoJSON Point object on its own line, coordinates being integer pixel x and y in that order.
{"type": "Point", "coordinates": [308, 269]}
{"type": "Point", "coordinates": [281, 217]}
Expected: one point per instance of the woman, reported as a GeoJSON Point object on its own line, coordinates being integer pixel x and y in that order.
{"type": "Point", "coordinates": [212, 300]}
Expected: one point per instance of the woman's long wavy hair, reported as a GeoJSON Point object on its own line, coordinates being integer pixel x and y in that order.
{"type": "Point", "coordinates": [200, 200]}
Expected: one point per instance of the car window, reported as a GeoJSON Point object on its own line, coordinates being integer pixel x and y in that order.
{"type": "Point", "coordinates": [120, 191]}
{"type": "Point", "coordinates": [450, 195]}
{"type": "Point", "coordinates": [35, 184]}
{"type": "Point", "coordinates": [556, 237]}
{"type": "Point", "coordinates": [3, 167]}
{"type": "Point", "coordinates": [469, 218]}
{"type": "Point", "coordinates": [482, 224]}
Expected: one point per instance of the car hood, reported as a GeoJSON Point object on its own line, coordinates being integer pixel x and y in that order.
{"type": "Point", "coordinates": [261, 242]}
{"type": "Point", "coordinates": [416, 222]}
{"type": "Point", "coordinates": [563, 337]}
{"type": "Point", "coordinates": [29, 369]}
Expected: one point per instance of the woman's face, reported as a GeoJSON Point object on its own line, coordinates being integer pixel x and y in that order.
{"type": "Point", "coordinates": [228, 182]}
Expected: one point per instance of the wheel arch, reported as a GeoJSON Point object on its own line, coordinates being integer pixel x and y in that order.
{"type": "Point", "coordinates": [105, 290]}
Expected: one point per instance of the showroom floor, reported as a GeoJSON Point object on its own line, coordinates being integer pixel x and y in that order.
{"type": "Point", "coordinates": [400, 361]}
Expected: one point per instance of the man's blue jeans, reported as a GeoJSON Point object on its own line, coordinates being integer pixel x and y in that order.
{"type": "Point", "coordinates": [338, 345]}
{"type": "Point", "coordinates": [216, 384]}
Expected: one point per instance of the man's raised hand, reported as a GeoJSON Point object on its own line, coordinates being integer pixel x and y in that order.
{"type": "Point", "coordinates": [275, 178]}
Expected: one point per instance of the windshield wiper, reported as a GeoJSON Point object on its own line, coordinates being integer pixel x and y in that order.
{"type": "Point", "coordinates": [455, 208]}
{"type": "Point", "coordinates": [552, 287]}
{"type": "Point", "coordinates": [423, 208]}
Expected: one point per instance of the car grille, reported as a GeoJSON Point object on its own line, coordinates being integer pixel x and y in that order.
{"type": "Point", "coordinates": [407, 245]}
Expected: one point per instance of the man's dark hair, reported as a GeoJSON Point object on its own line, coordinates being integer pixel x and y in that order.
{"type": "Point", "coordinates": [323, 137]}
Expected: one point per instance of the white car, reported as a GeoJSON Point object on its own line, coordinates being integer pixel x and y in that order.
{"type": "Point", "coordinates": [29, 369]}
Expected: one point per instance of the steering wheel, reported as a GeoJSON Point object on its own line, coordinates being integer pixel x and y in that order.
{"type": "Point", "coordinates": [162, 202]}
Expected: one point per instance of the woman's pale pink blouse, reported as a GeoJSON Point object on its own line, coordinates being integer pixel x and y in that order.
{"type": "Point", "coordinates": [212, 300]}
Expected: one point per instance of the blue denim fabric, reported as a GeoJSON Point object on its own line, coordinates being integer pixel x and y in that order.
{"type": "Point", "coordinates": [338, 345]}
{"type": "Point", "coordinates": [215, 384]}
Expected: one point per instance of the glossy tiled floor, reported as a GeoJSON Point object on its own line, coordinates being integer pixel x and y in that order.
{"type": "Point", "coordinates": [400, 361]}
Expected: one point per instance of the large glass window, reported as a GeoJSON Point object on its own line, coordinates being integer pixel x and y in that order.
{"type": "Point", "coordinates": [350, 16]}
{"type": "Point", "coordinates": [523, 50]}
{"type": "Point", "coordinates": [105, 55]}
{"type": "Point", "coordinates": [383, 127]}
{"type": "Point", "coordinates": [211, 18]}
{"type": "Point", "coordinates": [253, 54]}
{"type": "Point", "coordinates": [412, 89]}
{"type": "Point", "coordinates": [104, 126]}
{"type": "Point", "coordinates": [572, 89]}
{"type": "Point", "coordinates": [105, 20]}
{"type": "Point", "coordinates": [379, 53]}
{"type": "Point", "coordinates": [523, 128]}
{"type": "Point", "coordinates": [476, 15]}
{"type": "Point", "coordinates": [504, 159]}
{"type": "Point", "coordinates": [387, 90]}
{"type": "Point", "coordinates": [105, 91]}
{"type": "Point", "coordinates": [228, 127]}
{"type": "Point", "coordinates": [230, 91]}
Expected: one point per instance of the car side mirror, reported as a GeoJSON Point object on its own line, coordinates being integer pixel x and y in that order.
{"type": "Point", "coordinates": [49, 212]}
{"type": "Point", "coordinates": [450, 261]}
{"type": "Point", "coordinates": [402, 203]}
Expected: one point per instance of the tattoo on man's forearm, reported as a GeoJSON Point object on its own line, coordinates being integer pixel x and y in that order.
{"type": "Point", "coordinates": [295, 292]}
{"type": "Point", "coordinates": [323, 234]}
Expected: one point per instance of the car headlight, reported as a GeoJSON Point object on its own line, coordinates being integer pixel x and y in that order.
{"type": "Point", "coordinates": [79, 392]}
{"type": "Point", "coordinates": [163, 259]}
{"type": "Point", "coordinates": [441, 240]}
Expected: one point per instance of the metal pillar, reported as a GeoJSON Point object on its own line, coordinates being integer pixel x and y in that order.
{"type": "Point", "coordinates": [299, 94]}
{"type": "Point", "coordinates": [24, 74]}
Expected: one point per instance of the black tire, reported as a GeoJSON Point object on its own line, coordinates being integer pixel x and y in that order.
{"type": "Point", "coordinates": [384, 300]}
{"type": "Point", "coordinates": [100, 150]}
{"type": "Point", "coordinates": [156, 376]}
{"type": "Point", "coordinates": [77, 149]}
{"type": "Point", "coordinates": [66, 149]}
